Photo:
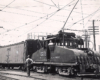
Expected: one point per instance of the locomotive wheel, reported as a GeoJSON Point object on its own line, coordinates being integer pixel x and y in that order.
{"type": "Point", "coordinates": [11, 67]}
{"type": "Point", "coordinates": [42, 68]}
{"type": "Point", "coordinates": [59, 71]}
{"type": "Point", "coordinates": [45, 69]}
{"type": "Point", "coordinates": [70, 71]}
{"type": "Point", "coordinates": [36, 69]}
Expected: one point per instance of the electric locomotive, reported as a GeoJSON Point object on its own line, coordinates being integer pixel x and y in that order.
{"type": "Point", "coordinates": [65, 54]}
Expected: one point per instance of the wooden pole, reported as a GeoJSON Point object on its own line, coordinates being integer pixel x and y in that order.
{"type": "Point", "coordinates": [94, 36]}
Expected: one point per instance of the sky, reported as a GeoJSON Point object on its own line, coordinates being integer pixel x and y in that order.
{"type": "Point", "coordinates": [41, 17]}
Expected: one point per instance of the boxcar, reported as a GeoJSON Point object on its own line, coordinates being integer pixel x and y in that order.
{"type": "Point", "coordinates": [14, 55]}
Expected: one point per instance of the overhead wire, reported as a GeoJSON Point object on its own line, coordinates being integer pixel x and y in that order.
{"type": "Point", "coordinates": [29, 22]}
{"type": "Point", "coordinates": [10, 21]}
{"type": "Point", "coordinates": [30, 15]}
{"type": "Point", "coordinates": [8, 4]}
{"type": "Point", "coordinates": [84, 17]}
{"type": "Point", "coordinates": [43, 3]}
{"type": "Point", "coordinates": [82, 12]}
{"type": "Point", "coordinates": [54, 4]}
{"type": "Point", "coordinates": [49, 17]}
{"type": "Point", "coordinates": [19, 13]}
{"type": "Point", "coordinates": [44, 16]}
{"type": "Point", "coordinates": [28, 11]}
{"type": "Point", "coordinates": [34, 12]}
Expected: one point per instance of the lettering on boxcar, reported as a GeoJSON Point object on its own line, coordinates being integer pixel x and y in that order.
{"type": "Point", "coordinates": [7, 60]}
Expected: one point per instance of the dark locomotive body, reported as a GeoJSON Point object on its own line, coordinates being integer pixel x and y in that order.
{"type": "Point", "coordinates": [65, 54]}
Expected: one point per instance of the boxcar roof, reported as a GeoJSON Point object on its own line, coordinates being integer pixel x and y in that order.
{"type": "Point", "coordinates": [12, 44]}
{"type": "Point", "coordinates": [16, 43]}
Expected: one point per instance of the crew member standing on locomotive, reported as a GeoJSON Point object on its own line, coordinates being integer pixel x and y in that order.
{"type": "Point", "coordinates": [28, 62]}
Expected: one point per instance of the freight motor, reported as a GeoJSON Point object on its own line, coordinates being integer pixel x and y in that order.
{"type": "Point", "coordinates": [65, 54]}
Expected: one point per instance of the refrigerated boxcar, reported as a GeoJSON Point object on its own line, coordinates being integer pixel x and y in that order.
{"type": "Point", "coordinates": [14, 55]}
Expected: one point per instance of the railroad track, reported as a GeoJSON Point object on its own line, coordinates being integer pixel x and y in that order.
{"type": "Point", "coordinates": [4, 75]}
{"type": "Point", "coordinates": [35, 76]}
{"type": "Point", "coordinates": [7, 78]}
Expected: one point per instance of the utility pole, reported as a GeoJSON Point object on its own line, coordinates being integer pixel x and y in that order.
{"type": "Point", "coordinates": [94, 30]}
{"type": "Point", "coordinates": [94, 35]}
{"type": "Point", "coordinates": [86, 36]}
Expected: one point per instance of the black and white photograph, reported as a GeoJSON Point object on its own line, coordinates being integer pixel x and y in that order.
{"type": "Point", "coordinates": [49, 40]}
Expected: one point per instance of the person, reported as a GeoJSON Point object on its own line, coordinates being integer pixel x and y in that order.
{"type": "Point", "coordinates": [28, 62]}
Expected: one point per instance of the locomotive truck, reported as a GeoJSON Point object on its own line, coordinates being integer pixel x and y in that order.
{"type": "Point", "coordinates": [63, 53]}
